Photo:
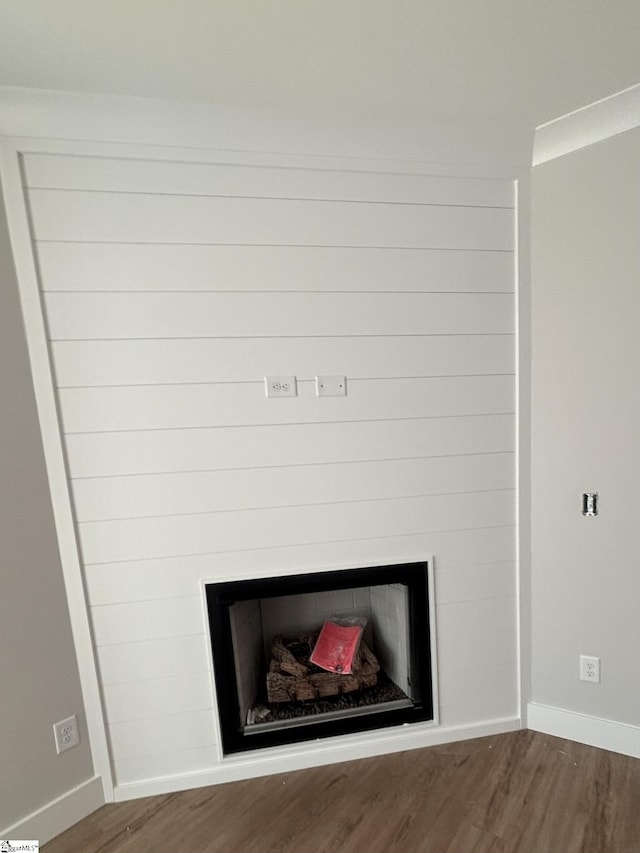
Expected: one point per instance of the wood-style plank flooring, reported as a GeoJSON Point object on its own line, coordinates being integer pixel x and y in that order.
{"type": "Point", "coordinates": [522, 792]}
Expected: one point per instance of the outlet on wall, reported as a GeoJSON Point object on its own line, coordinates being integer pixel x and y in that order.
{"type": "Point", "coordinates": [589, 668]}
{"type": "Point", "coordinates": [281, 386]}
{"type": "Point", "coordinates": [66, 734]}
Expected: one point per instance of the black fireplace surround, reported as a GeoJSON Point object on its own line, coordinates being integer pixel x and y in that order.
{"type": "Point", "coordinates": [221, 596]}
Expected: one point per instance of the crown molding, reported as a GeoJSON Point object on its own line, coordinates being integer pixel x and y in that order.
{"type": "Point", "coordinates": [593, 123]}
{"type": "Point", "coordinates": [469, 147]}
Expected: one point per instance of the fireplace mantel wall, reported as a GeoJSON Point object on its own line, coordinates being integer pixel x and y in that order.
{"type": "Point", "coordinates": [172, 282]}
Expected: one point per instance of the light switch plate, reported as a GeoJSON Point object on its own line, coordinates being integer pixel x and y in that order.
{"type": "Point", "coordinates": [331, 386]}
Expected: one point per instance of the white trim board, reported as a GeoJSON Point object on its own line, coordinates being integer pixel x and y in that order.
{"type": "Point", "coordinates": [592, 123]}
{"type": "Point", "coordinates": [58, 815]}
{"type": "Point", "coordinates": [34, 324]}
{"type": "Point", "coordinates": [471, 148]}
{"type": "Point", "coordinates": [593, 731]}
{"type": "Point", "coordinates": [307, 755]}
{"type": "Point", "coordinates": [523, 435]}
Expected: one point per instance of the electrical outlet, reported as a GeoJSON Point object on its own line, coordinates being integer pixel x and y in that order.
{"type": "Point", "coordinates": [589, 669]}
{"type": "Point", "coordinates": [281, 386]}
{"type": "Point", "coordinates": [66, 734]}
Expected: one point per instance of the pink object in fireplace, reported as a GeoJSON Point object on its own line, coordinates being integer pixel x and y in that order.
{"type": "Point", "coordinates": [336, 646]}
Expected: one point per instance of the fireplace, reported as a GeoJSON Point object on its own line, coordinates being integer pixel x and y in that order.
{"type": "Point", "coordinates": [396, 684]}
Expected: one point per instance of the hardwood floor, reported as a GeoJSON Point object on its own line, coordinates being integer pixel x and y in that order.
{"type": "Point", "coordinates": [522, 792]}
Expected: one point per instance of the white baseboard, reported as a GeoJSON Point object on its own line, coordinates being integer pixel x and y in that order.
{"type": "Point", "coordinates": [61, 813]}
{"type": "Point", "coordinates": [331, 751]}
{"type": "Point", "coordinates": [593, 731]}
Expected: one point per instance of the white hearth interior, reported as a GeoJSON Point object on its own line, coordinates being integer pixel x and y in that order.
{"type": "Point", "coordinates": [255, 622]}
{"type": "Point", "coordinates": [248, 652]}
{"type": "Point", "coordinates": [390, 619]}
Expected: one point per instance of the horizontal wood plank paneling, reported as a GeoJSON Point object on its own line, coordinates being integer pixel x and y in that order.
{"type": "Point", "coordinates": [213, 491]}
{"type": "Point", "coordinates": [148, 620]}
{"type": "Point", "coordinates": [475, 582]}
{"type": "Point", "coordinates": [155, 658]}
{"type": "Point", "coordinates": [158, 697]}
{"type": "Point", "coordinates": [499, 706]}
{"type": "Point", "coordinates": [170, 290]}
{"type": "Point", "coordinates": [165, 763]}
{"type": "Point", "coordinates": [129, 218]}
{"type": "Point", "coordinates": [148, 451]}
{"type": "Point", "coordinates": [478, 683]}
{"type": "Point", "coordinates": [138, 738]}
{"type": "Point", "coordinates": [469, 631]}
{"type": "Point", "coordinates": [180, 406]}
{"type": "Point", "coordinates": [80, 316]}
{"type": "Point", "coordinates": [123, 266]}
{"type": "Point", "coordinates": [457, 553]}
{"type": "Point", "coordinates": [135, 362]}
{"type": "Point", "coordinates": [135, 539]}
{"type": "Point", "coordinates": [222, 179]}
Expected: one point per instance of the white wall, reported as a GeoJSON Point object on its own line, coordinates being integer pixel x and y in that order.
{"type": "Point", "coordinates": [586, 422]}
{"type": "Point", "coordinates": [38, 668]}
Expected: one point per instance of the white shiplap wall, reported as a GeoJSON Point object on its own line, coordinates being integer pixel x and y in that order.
{"type": "Point", "coordinates": [170, 290]}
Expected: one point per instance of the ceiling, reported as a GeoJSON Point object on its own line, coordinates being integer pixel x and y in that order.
{"type": "Point", "coordinates": [513, 62]}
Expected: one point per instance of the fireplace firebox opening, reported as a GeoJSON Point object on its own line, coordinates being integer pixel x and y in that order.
{"type": "Point", "coordinates": [263, 631]}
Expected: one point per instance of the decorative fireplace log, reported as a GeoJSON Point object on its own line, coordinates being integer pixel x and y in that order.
{"type": "Point", "coordinates": [292, 677]}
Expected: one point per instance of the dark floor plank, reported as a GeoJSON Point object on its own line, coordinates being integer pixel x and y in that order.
{"type": "Point", "coordinates": [522, 792]}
